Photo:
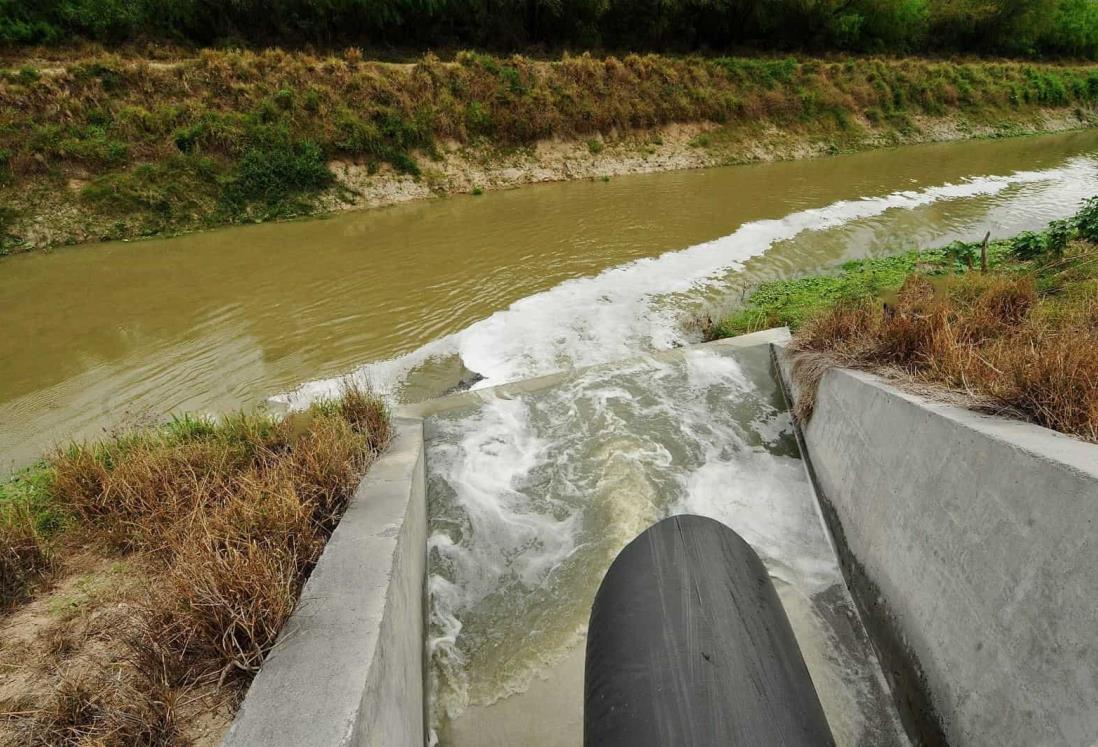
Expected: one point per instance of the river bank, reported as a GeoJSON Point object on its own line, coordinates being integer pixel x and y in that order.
{"type": "Point", "coordinates": [1009, 326]}
{"type": "Point", "coordinates": [106, 147]}
{"type": "Point", "coordinates": [145, 577]}
{"type": "Point", "coordinates": [511, 285]}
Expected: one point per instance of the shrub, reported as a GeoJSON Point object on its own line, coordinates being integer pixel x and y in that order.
{"type": "Point", "coordinates": [1028, 245]}
{"type": "Point", "coordinates": [1086, 220]}
{"type": "Point", "coordinates": [274, 172]}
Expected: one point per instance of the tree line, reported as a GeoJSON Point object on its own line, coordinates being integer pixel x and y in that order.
{"type": "Point", "coordinates": [1050, 28]}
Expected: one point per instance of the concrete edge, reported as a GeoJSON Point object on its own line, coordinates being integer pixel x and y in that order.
{"type": "Point", "coordinates": [474, 397]}
{"type": "Point", "coordinates": [1041, 442]}
{"type": "Point", "coordinates": [899, 665]}
{"type": "Point", "coordinates": [954, 651]}
{"type": "Point", "coordinates": [348, 665]}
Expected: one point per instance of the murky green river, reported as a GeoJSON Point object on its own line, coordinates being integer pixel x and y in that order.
{"type": "Point", "coordinates": [505, 285]}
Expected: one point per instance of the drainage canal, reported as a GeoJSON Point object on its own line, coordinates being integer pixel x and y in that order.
{"type": "Point", "coordinates": [532, 495]}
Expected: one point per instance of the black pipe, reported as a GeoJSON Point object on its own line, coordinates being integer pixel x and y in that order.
{"type": "Point", "coordinates": [688, 645]}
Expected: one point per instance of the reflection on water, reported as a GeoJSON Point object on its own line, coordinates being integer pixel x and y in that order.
{"type": "Point", "coordinates": [213, 321]}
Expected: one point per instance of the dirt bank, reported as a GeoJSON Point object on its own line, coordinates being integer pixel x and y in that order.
{"type": "Point", "coordinates": [671, 148]}
{"type": "Point", "coordinates": [109, 147]}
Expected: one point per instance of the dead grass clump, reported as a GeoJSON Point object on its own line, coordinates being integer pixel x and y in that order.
{"type": "Point", "coordinates": [227, 519]}
{"type": "Point", "coordinates": [110, 706]}
{"type": "Point", "coordinates": [24, 557]}
{"type": "Point", "coordinates": [988, 335]}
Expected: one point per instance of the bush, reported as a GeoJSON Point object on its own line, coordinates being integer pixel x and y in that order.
{"type": "Point", "coordinates": [275, 171]}
{"type": "Point", "coordinates": [1018, 27]}
{"type": "Point", "coordinates": [1028, 245]}
{"type": "Point", "coordinates": [1086, 220]}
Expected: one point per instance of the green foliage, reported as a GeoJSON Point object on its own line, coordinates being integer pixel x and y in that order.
{"type": "Point", "coordinates": [169, 189]}
{"type": "Point", "coordinates": [276, 172]}
{"type": "Point", "coordinates": [1030, 245]}
{"type": "Point", "coordinates": [964, 255]}
{"type": "Point", "coordinates": [29, 490]}
{"type": "Point", "coordinates": [1013, 26]}
{"type": "Point", "coordinates": [90, 144]}
{"type": "Point", "coordinates": [793, 302]}
{"type": "Point", "coordinates": [1086, 220]}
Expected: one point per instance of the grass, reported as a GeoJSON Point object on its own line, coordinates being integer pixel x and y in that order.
{"type": "Point", "coordinates": [225, 136]}
{"type": "Point", "coordinates": [1022, 336]}
{"type": "Point", "coordinates": [791, 303]}
{"type": "Point", "coordinates": [222, 519]}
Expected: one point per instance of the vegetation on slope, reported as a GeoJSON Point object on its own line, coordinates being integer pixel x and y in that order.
{"type": "Point", "coordinates": [144, 147]}
{"type": "Point", "coordinates": [1023, 334]}
{"type": "Point", "coordinates": [189, 544]}
{"type": "Point", "coordinates": [1015, 27]}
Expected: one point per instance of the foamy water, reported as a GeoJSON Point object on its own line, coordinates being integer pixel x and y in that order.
{"type": "Point", "coordinates": [531, 497]}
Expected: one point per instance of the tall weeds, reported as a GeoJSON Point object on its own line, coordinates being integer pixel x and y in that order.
{"type": "Point", "coordinates": [227, 519]}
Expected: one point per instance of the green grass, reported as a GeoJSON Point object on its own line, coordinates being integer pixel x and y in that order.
{"type": "Point", "coordinates": [29, 492]}
{"type": "Point", "coordinates": [226, 136]}
{"type": "Point", "coordinates": [795, 301]}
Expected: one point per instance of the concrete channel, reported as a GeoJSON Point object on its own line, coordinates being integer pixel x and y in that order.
{"type": "Point", "coordinates": [988, 594]}
{"type": "Point", "coordinates": [969, 540]}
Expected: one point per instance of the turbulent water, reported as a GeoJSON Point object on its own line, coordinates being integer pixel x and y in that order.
{"type": "Point", "coordinates": [531, 497]}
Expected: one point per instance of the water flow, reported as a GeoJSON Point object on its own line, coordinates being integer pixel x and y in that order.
{"type": "Point", "coordinates": [532, 496]}
{"type": "Point", "coordinates": [639, 306]}
{"type": "Point", "coordinates": [507, 284]}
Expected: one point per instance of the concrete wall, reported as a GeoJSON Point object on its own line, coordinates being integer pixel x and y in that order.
{"type": "Point", "coordinates": [348, 666]}
{"type": "Point", "coordinates": [980, 534]}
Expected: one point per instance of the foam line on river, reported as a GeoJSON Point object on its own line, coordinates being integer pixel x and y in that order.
{"type": "Point", "coordinates": [616, 313]}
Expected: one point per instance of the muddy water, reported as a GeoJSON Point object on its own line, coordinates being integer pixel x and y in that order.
{"type": "Point", "coordinates": [506, 285]}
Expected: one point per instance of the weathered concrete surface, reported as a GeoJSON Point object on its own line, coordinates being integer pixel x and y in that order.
{"type": "Point", "coordinates": [979, 533]}
{"type": "Point", "coordinates": [348, 666]}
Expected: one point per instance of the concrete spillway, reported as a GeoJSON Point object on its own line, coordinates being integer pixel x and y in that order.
{"type": "Point", "coordinates": [532, 490]}
{"type": "Point", "coordinates": [507, 505]}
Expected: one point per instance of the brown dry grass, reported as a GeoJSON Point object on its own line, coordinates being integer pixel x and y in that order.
{"type": "Point", "coordinates": [24, 557]}
{"type": "Point", "coordinates": [224, 136]}
{"type": "Point", "coordinates": [1026, 340]}
{"type": "Point", "coordinates": [224, 521]}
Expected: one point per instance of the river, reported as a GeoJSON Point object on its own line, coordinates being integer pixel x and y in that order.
{"type": "Point", "coordinates": [505, 285]}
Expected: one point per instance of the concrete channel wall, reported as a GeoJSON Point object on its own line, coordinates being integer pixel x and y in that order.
{"type": "Point", "coordinates": [348, 666]}
{"type": "Point", "coordinates": [980, 535]}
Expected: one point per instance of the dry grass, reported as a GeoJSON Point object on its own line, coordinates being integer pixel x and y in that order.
{"type": "Point", "coordinates": [226, 520]}
{"type": "Point", "coordinates": [1027, 340]}
{"type": "Point", "coordinates": [223, 136]}
{"type": "Point", "coordinates": [24, 557]}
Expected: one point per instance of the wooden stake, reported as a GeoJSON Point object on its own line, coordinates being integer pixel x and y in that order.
{"type": "Point", "coordinates": [983, 252]}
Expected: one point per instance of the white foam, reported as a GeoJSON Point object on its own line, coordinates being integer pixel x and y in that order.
{"type": "Point", "coordinates": [616, 313]}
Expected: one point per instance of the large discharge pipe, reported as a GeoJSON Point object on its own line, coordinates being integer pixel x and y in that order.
{"type": "Point", "coordinates": [688, 646]}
